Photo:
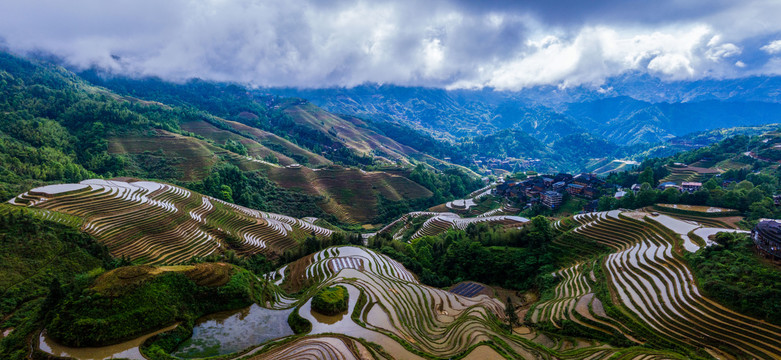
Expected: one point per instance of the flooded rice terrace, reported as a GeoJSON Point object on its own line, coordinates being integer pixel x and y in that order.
{"type": "Point", "coordinates": [125, 350]}
{"type": "Point", "coordinates": [216, 334]}
{"type": "Point", "coordinates": [231, 331]}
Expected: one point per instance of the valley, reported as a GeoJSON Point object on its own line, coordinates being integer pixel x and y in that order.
{"type": "Point", "coordinates": [151, 218]}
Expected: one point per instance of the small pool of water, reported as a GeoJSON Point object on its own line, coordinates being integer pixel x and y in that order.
{"type": "Point", "coordinates": [231, 331]}
{"type": "Point", "coordinates": [125, 350]}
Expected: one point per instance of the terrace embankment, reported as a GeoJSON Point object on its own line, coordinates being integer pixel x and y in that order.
{"type": "Point", "coordinates": [650, 279]}
{"type": "Point", "coordinates": [164, 224]}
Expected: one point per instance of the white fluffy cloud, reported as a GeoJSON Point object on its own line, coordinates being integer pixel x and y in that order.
{"type": "Point", "coordinates": [774, 47]}
{"type": "Point", "coordinates": [442, 43]}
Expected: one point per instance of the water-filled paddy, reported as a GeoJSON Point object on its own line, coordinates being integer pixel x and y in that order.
{"type": "Point", "coordinates": [125, 350]}
{"type": "Point", "coordinates": [231, 331]}
{"type": "Point", "coordinates": [705, 209]}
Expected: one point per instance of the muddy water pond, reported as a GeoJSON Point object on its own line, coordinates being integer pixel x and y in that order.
{"type": "Point", "coordinates": [231, 331]}
{"type": "Point", "coordinates": [125, 350]}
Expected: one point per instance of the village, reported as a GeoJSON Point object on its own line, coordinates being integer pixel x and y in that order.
{"type": "Point", "coordinates": [551, 191]}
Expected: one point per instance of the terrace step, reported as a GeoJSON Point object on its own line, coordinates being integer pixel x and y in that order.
{"type": "Point", "coordinates": [163, 223]}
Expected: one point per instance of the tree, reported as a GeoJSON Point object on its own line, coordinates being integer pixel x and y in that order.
{"type": "Point", "coordinates": [539, 231]}
{"type": "Point", "coordinates": [509, 311]}
{"type": "Point", "coordinates": [226, 193]}
{"type": "Point", "coordinates": [744, 185]}
{"type": "Point", "coordinates": [647, 176]}
{"type": "Point", "coordinates": [606, 203]}
{"type": "Point", "coordinates": [711, 184]}
{"type": "Point", "coordinates": [645, 197]}
{"type": "Point", "coordinates": [670, 196]}
{"type": "Point", "coordinates": [54, 297]}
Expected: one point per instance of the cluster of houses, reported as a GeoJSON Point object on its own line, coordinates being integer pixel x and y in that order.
{"type": "Point", "coordinates": [686, 186]}
{"type": "Point", "coordinates": [549, 190]}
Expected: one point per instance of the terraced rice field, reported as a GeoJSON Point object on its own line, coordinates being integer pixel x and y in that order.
{"type": "Point", "coordinates": [160, 223]}
{"type": "Point", "coordinates": [648, 277]}
{"type": "Point", "coordinates": [352, 194]}
{"type": "Point", "coordinates": [717, 222]}
{"type": "Point", "coordinates": [575, 301]}
{"type": "Point", "coordinates": [407, 320]}
{"type": "Point", "coordinates": [333, 347]}
{"type": "Point", "coordinates": [689, 173]}
{"type": "Point", "coordinates": [703, 209]}
{"type": "Point", "coordinates": [467, 289]}
{"type": "Point", "coordinates": [446, 221]}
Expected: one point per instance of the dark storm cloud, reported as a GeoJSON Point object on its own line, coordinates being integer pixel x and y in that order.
{"type": "Point", "coordinates": [502, 44]}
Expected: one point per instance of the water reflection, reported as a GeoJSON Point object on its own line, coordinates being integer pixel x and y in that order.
{"type": "Point", "coordinates": [328, 319]}
{"type": "Point", "coordinates": [231, 331]}
{"type": "Point", "coordinates": [125, 350]}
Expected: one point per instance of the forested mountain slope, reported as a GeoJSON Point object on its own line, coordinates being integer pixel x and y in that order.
{"type": "Point", "coordinates": [616, 116]}
{"type": "Point", "coordinates": [56, 127]}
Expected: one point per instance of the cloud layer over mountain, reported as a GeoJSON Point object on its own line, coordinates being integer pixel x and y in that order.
{"type": "Point", "coordinates": [455, 44]}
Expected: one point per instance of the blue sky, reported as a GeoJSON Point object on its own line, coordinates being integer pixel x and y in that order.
{"type": "Point", "coordinates": [507, 45]}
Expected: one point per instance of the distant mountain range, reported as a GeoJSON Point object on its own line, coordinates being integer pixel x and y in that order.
{"type": "Point", "coordinates": [582, 128]}
{"type": "Point", "coordinates": [628, 110]}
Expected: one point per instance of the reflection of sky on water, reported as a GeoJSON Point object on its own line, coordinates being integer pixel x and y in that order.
{"type": "Point", "coordinates": [232, 331]}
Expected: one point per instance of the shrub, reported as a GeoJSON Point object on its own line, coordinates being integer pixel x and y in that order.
{"type": "Point", "coordinates": [331, 300]}
{"type": "Point", "coordinates": [298, 323]}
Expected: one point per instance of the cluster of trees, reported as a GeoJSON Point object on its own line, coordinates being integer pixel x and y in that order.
{"type": "Point", "coordinates": [749, 190]}
{"type": "Point", "coordinates": [752, 199]}
{"type": "Point", "coordinates": [734, 275]}
{"type": "Point", "coordinates": [41, 260]}
{"type": "Point", "coordinates": [331, 300]}
{"type": "Point", "coordinates": [516, 259]}
{"type": "Point", "coordinates": [448, 184]}
{"type": "Point", "coordinates": [86, 317]}
{"type": "Point", "coordinates": [251, 189]}
{"type": "Point", "coordinates": [312, 245]}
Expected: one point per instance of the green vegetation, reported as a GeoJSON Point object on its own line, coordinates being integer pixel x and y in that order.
{"type": "Point", "coordinates": [447, 185]}
{"type": "Point", "coordinates": [57, 128]}
{"type": "Point", "coordinates": [227, 182]}
{"type": "Point", "coordinates": [298, 323]}
{"type": "Point", "coordinates": [104, 314]}
{"type": "Point", "coordinates": [515, 259]}
{"type": "Point", "coordinates": [748, 189]}
{"type": "Point", "coordinates": [40, 260]}
{"type": "Point", "coordinates": [734, 275]}
{"type": "Point", "coordinates": [331, 300]}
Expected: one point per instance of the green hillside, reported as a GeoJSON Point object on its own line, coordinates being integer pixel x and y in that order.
{"type": "Point", "coordinates": [38, 253]}
{"type": "Point", "coordinates": [56, 127]}
{"type": "Point", "coordinates": [740, 172]}
{"type": "Point", "coordinates": [130, 301]}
